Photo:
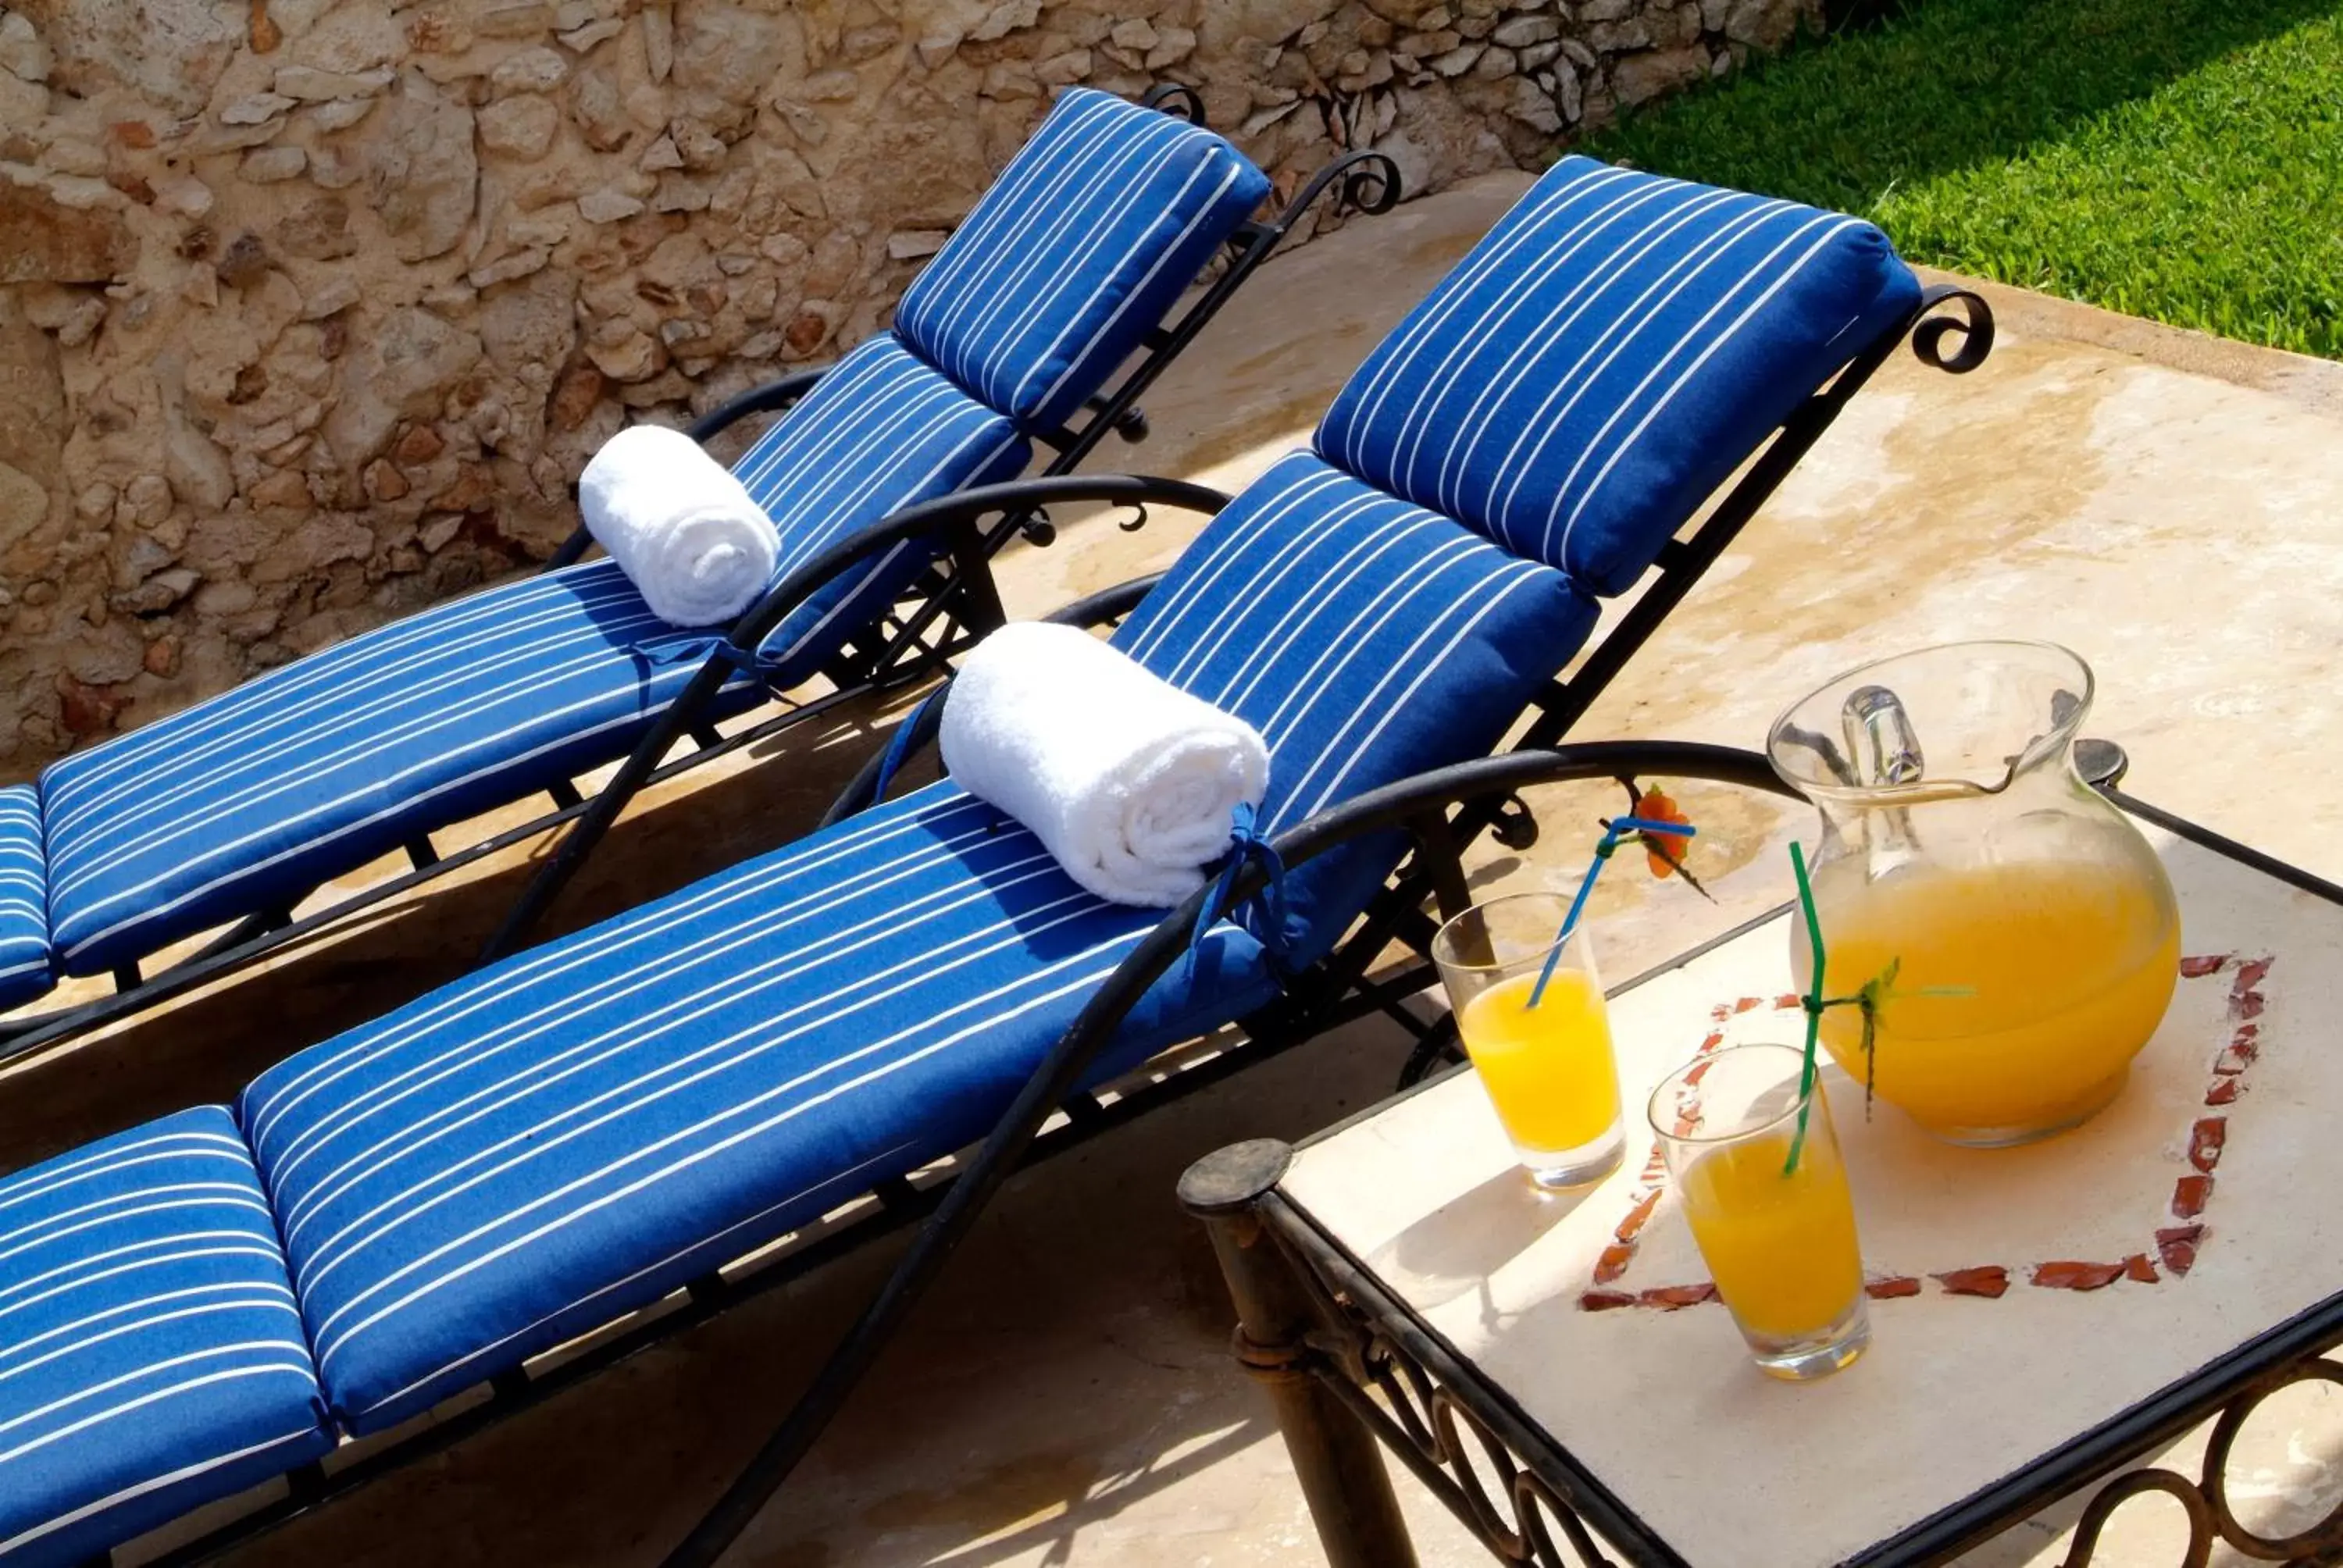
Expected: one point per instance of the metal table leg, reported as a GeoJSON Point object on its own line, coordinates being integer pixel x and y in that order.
{"type": "Point", "coordinates": [1335, 1456]}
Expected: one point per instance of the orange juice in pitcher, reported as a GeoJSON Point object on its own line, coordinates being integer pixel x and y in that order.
{"type": "Point", "coordinates": [2019, 934]}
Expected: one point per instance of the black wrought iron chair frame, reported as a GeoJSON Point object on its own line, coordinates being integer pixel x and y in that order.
{"type": "Point", "coordinates": [1441, 813]}
{"type": "Point", "coordinates": [952, 604]}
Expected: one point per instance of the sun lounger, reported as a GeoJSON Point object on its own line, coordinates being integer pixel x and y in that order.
{"type": "Point", "coordinates": [584, 1131]}
{"type": "Point", "coordinates": [231, 813]}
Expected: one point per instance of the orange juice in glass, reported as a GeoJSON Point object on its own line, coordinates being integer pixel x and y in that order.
{"type": "Point", "coordinates": [1543, 1055]}
{"type": "Point", "coordinates": [1778, 1236]}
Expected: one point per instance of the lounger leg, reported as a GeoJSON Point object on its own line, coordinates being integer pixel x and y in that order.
{"type": "Point", "coordinates": [979, 597]}
{"type": "Point", "coordinates": [587, 829]}
{"type": "Point", "coordinates": [1335, 1457]}
{"type": "Point", "coordinates": [1051, 1084]}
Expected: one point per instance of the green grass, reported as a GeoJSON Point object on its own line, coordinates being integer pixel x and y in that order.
{"type": "Point", "coordinates": [2175, 159]}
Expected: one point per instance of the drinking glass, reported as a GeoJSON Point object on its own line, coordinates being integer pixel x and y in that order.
{"type": "Point", "coordinates": [1778, 1237]}
{"type": "Point", "coordinates": [1548, 1068]}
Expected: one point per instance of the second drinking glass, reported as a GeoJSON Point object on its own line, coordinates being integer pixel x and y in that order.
{"type": "Point", "coordinates": [1548, 1068]}
{"type": "Point", "coordinates": [1756, 1162]}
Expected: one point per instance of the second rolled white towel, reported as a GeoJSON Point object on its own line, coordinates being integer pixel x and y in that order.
{"type": "Point", "coordinates": [686, 532]}
{"type": "Point", "coordinates": [1128, 780]}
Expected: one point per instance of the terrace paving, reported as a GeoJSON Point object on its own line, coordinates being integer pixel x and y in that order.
{"type": "Point", "coordinates": [2169, 506]}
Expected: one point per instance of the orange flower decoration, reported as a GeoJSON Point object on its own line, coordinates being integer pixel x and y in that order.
{"type": "Point", "coordinates": [1665, 854]}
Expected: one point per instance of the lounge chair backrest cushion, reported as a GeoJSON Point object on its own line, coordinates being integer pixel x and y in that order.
{"type": "Point", "coordinates": [1366, 638]}
{"type": "Point", "coordinates": [1606, 356]}
{"type": "Point", "coordinates": [25, 966]}
{"type": "Point", "coordinates": [882, 429]}
{"type": "Point", "coordinates": [1527, 439]}
{"type": "Point", "coordinates": [1080, 247]}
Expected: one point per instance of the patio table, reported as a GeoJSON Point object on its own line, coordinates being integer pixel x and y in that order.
{"type": "Point", "coordinates": [1558, 1370]}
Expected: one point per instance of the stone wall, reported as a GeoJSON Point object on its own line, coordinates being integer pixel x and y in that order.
{"type": "Point", "coordinates": [311, 309]}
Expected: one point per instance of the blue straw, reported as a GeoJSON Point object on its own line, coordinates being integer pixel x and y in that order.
{"type": "Point", "coordinates": [1619, 827]}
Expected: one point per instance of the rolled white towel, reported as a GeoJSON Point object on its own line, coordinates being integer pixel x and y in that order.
{"type": "Point", "coordinates": [688, 534]}
{"type": "Point", "coordinates": [1127, 780]}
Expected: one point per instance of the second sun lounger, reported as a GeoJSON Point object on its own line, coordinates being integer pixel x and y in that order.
{"type": "Point", "coordinates": [233, 812]}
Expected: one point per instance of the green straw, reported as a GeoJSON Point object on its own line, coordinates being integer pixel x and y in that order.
{"type": "Point", "coordinates": [1813, 1007]}
{"type": "Point", "coordinates": [1870, 997]}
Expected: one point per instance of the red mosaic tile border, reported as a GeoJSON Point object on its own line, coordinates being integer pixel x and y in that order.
{"type": "Point", "coordinates": [2175, 1246]}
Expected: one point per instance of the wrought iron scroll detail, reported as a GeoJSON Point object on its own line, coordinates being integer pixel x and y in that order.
{"type": "Point", "coordinates": [1973, 327]}
{"type": "Point", "coordinates": [1176, 99]}
{"type": "Point", "coordinates": [2138, 1483]}
{"type": "Point", "coordinates": [1363, 180]}
{"type": "Point", "coordinates": [1452, 1452]}
{"type": "Point", "coordinates": [2206, 1498]}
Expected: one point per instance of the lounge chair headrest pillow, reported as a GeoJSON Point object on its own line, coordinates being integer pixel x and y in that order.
{"type": "Point", "coordinates": [1128, 782]}
{"type": "Point", "coordinates": [1606, 357]}
{"type": "Point", "coordinates": [1084, 242]}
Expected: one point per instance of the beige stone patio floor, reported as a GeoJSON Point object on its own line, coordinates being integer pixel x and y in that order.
{"type": "Point", "coordinates": [2169, 506]}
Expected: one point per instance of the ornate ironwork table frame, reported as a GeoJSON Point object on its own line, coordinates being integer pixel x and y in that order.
{"type": "Point", "coordinates": [1351, 1367]}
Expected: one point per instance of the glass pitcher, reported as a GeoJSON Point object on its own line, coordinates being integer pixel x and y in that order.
{"type": "Point", "coordinates": [2019, 935]}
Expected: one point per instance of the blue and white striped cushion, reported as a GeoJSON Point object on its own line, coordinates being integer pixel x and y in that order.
{"type": "Point", "coordinates": [1084, 241]}
{"type": "Point", "coordinates": [256, 796]}
{"type": "Point", "coordinates": [577, 1129]}
{"type": "Point", "coordinates": [24, 968]}
{"type": "Point", "coordinates": [1368, 639]}
{"type": "Point", "coordinates": [260, 794]}
{"type": "Point", "coordinates": [1606, 356]}
{"type": "Point", "coordinates": [151, 1355]}
{"type": "Point", "coordinates": [879, 432]}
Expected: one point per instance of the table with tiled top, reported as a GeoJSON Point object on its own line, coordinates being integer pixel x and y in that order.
{"type": "Point", "coordinates": [2042, 1316]}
